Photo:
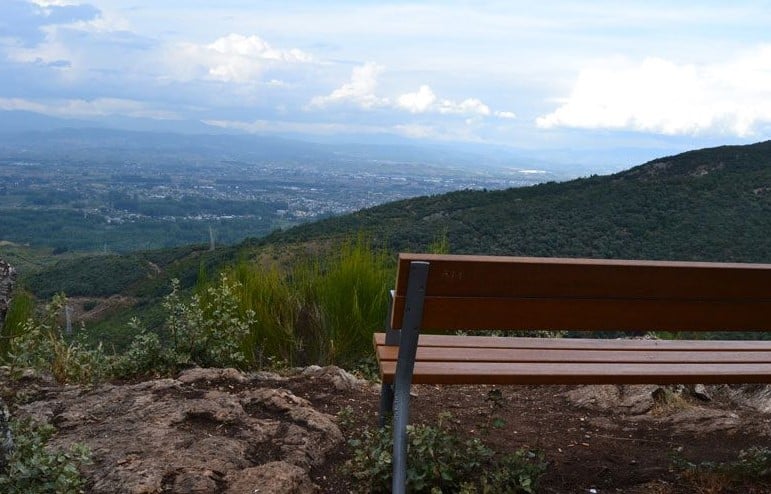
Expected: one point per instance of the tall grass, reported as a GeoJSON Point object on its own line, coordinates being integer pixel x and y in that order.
{"type": "Point", "coordinates": [274, 302]}
{"type": "Point", "coordinates": [350, 290]}
{"type": "Point", "coordinates": [19, 311]}
{"type": "Point", "coordinates": [321, 310]}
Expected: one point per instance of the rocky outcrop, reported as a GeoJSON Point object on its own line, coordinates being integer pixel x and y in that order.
{"type": "Point", "coordinates": [7, 281]}
{"type": "Point", "coordinates": [208, 430]}
{"type": "Point", "coordinates": [6, 439]}
{"type": "Point", "coordinates": [684, 408]}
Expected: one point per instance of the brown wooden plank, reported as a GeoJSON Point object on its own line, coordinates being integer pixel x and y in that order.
{"type": "Point", "coordinates": [500, 276]}
{"type": "Point", "coordinates": [454, 313]}
{"type": "Point", "coordinates": [587, 373]}
{"type": "Point", "coordinates": [454, 354]}
{"type": "Point", "coordinates": [443, 340]}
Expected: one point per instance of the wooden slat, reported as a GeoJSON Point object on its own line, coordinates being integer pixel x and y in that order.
{"type": "Point", "coordinates": [586, 373]}
{"type": "Point", "coordinates": [454, 354]}
{"type": "Point", "coordinates": [588, 294]}
{"type": "Point", "coordinates": [453, 313]}
{"type": "Point", "coordinates": [441, 340]}
{"type": "Point", "coordinates": [501, 276]}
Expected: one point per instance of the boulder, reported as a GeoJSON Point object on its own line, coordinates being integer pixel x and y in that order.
{"type": "Point", "coordinates": [210, 430]}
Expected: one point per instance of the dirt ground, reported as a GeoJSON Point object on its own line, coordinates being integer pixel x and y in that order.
{"type": "Point", "coordinates": [591, 446]}
{"type": "Point", "coordinates": [596, 439]}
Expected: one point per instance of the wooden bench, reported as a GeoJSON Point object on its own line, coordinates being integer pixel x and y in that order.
{"type": "Point", "coordinates": [446, 293]}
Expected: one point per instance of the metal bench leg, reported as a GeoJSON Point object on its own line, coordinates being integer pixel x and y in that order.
{"type": "Point", "coordinates": [386, 403]}
{"type": "Point", "coordinates": [405, 365]}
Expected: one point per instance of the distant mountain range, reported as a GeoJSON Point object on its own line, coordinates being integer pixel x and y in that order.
{"type": "Point", "coordinates": [184, 138]}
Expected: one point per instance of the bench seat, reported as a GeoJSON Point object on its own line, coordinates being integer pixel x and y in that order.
{"type": "Point", "coordinates": [443, 359]}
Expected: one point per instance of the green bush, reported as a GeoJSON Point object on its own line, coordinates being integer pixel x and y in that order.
{"type": "Point", "coordinates": [41, 345]}
{"type": "Point", "coordinates": [751, 466]}
{"type": "Point", "coordinates": [34, 468]}
{"type": "Point", "coordinates": [210, 331]}
{"type": "Point", "coordinates": [439, 461]}
{"type": "Point", "coordinates": [146, 355]}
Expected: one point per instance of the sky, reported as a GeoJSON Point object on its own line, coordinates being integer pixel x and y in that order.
{"type": "Point", "coordinates": [606, 75]}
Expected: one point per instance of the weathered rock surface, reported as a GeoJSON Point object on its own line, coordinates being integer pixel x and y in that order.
{"type": "Point", "coordinates": [7, 282]}
{"type": "Point", "coordinates": [6, 439]}
{"type": "Point", "coordinates": [208, 430]}
{"type": "Point", "coordinates": [672, 406]}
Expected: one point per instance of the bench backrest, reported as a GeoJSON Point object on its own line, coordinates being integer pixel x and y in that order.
{"type": "Point", "coordinates": [525, 293]}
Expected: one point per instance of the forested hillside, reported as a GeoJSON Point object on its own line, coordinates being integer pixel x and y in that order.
{"type": "Point", "coordinates": [710, 204]}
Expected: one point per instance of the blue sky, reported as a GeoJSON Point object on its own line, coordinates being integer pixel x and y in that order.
{"type": "Point", "coordinates": [654, 75]}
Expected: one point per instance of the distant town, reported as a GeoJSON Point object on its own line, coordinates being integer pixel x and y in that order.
{"type": "Point", "coordinates": [87, 200]}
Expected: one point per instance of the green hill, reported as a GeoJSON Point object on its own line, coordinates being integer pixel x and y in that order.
{"type": "Point", "coordinates": [710, 204]}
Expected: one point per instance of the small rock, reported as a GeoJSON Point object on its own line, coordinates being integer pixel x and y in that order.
{"type": "Point", "coordinates": [198, 374]}
{"type": "Point", "coordinates": [340, 379]}
{"type": "Point", "coordinates": [277, 477]}
{"type": "Point", "coordinates": [700, 392]}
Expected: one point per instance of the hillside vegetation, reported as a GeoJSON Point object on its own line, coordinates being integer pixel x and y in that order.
{"type": "Point", "coordinates": [711, 204]}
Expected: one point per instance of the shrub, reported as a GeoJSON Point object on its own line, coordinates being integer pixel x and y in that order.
{"type": "Point", "coordinates": [35, 469]}
{"type": "Point", "coordinates": [439, 461]}
{"type": "Point", "coordinates": [146, 355]}
{"type": "Point", "coordinates": [210, 331]}
{"type": "Point", "coordinates": [41, 345]}
{"type": "Point", "coordinates": [751, 466]}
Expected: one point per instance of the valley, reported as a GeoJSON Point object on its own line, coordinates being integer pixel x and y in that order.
{"type": "Point", "coordinates": [94, 195]}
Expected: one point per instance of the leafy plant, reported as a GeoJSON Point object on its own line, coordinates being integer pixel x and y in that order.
{"type": "Point", "coordinates": [40, 344]}
{"type": "Point", "coordinates": [211, 330]}
{"type": "Point", "coordinates": [33, 468]}
{"type": "Point", "coordinates": [439, 461]}
{"type": "Point", "coordinates": [517, 472]}
{"type": "Point", "coordinates": [146, 355]}
{"type": "Point", "coordinates": [752, 466]}
{"type": "Point", "coordinates": [495, 402]}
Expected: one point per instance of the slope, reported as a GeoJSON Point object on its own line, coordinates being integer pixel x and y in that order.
{"type": "Point", "coordinates": [710, 204]}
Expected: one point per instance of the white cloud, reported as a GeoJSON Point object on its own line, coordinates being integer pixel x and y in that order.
{"type": "Point", "coordinates": [661, 96]}
{"type": "Point", "coordinates": [55, 3]}
{"type": "Point", "coordinates": [234, 58]}
{"type": "Point", "coordinates": [424, 100]}
{"type": "Point", "coordinates": [418, 102]}
{"type": "Point", "coordinates": [360, 90]}
{"type": "Point", "coordinates": [470, 106]}
{"type": "Point", "coordinates": [80, 108]}
{"type": "Point", "coordinates": [508, 115]}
